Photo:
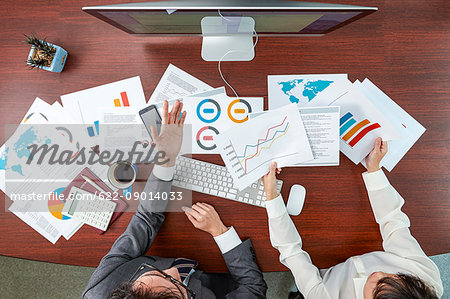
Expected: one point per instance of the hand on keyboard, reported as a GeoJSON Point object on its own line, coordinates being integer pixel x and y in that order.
{"type": "Point", "coordinates": [215, 180]}
{"type": "Point", "coordinates": [204, 217]}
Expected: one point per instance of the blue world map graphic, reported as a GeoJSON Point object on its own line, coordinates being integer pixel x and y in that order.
{"type": "Point", "coordinates": [301, 90]}
{"type": "Point", "coordinates": [20, 148]}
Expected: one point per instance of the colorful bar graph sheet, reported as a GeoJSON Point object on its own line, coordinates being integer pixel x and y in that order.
{"type": "Point", "coordinates": [355, 129]}
{"type": "Point", "coordinates": [91, 131]}
{"type": "Point", "coordinates": [92, 102]}
{"type": "Point", "coordinates": [363, 133]}
{"type": "Point", "coordinates": [347, 121]}
{"type": "Point", "coordinates": [125, 102]}
{"type": "Point", "coordinates": [124, 97]}
{"type": "Point", "coordinates": [360, 124]}
{"type": "Point", "coordinates": [349, 125]}
{"type": "Point", "coordinates": [409, 128]}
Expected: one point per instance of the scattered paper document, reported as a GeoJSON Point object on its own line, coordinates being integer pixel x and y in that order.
{"type": "Point", "coordinates": [34, 187]}
{"type": "Point", "coordinates": [322, 128]}
{"type": "Point", "coordinates": [121, 94]}
{"type": "Point", "coordinates": [37, 221]}
{"type": "Point", "coordinates": [125, 115]}
{"type": "Point", "coordinates": [210, 93]}
{"type": "Point", "coordinates": [215, 113]}
{"type": "Point", "coordinates": [51, 221]}
{"type": "Point", "coordinates": [3, 154]}
{"type": "Point", "coordinates": [65, 116]}
{"type": "Point", "coordinates": [216, 92]}
{"type": "Point", "coordinates": [249, 149]}
{"type": "Point", "coordinates": [176, 83]}
{"type": "Point", "coordinates": [210, 116]}
{"type": "Point", "coordinates": [38, 113]}
{"type": "Point", "coordinates": [360, 124]}
{"type": "Point", "coordinates": [70, 103]}
{"type": "Point", "coordinates": [410, 129]}
{"type": "Point", "coordinates": [304, 89]}
{"type": "Point", "coordinates": [40, 180]}
{"type": "Point", "coordinates": [331, 94]}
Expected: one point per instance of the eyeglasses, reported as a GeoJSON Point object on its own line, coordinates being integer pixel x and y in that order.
{"type": "Point", "coordinates": [146, 267]}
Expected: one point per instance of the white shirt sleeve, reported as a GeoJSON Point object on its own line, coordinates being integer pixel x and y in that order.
{"type": "Point", "coordinates": [228, 240]}
{"type": "Point", "coordinates": [394, 225]}
{"type": "Point", "coordinates": [163, 173]}
{"type": "Point", "coordinates": [286, 239]}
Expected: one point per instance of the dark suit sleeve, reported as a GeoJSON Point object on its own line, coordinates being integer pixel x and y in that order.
{"type": "Point", "coordinates": [143, 227]}
{"type": "Point", "coordinates": [139, 235]}
{"type": "Point", "coordinates": [241, 262]}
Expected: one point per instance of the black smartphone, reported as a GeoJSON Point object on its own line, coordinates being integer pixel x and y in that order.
{"type": "Point", "coordinates": [150, 117]}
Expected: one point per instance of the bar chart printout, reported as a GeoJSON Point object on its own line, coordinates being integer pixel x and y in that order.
{"type": "Point", "coordinates": [350, 128]}
{"type": "Point", "coordinates": [249, 149]}
{"type": "Point", "coordinates": [361, 122]}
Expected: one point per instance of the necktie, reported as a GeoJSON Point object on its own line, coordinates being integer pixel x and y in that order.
{"type": "Point", "coordinates": [184, 266]}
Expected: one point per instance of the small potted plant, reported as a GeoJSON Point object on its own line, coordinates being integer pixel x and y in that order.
{"type": "Point", "coordinates": [44, 55]}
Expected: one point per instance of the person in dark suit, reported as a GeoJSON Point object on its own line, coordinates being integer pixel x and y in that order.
{"type": "Point", "coordinates": [127, 272]}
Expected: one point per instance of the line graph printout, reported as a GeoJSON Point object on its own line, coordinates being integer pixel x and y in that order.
{"type": "Point", "coordinates": [249, 149]}
{"type": "Point", "coordinates": [262, 146]}
{"type": "Point", "coordinates": [322, 128]}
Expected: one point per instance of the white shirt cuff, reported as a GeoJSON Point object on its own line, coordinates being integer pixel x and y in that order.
{"type": "Point", "coordinates": [375, 180]}
{"type": "Point", "coordinates": [228, 240]}
{"type": "Point", "coordinates": [275, 207]}
{"type": "Point", "coordinates": [163, 173]}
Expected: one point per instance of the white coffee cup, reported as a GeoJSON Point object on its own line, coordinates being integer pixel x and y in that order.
{"type": "Point", "coordinates": [122, 174]}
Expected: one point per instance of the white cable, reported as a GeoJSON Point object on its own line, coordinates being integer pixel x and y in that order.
{"type": "Point", "coordinates": [233, 51]}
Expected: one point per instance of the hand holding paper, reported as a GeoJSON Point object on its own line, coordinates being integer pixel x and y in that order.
{"type": "Point", "coordinates": [270, 181]}
{"type": "Point", "coordinates": [373, 159]}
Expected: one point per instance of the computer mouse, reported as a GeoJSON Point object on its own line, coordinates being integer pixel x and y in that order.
{"type": "Point", "coordinates": [296, 200]}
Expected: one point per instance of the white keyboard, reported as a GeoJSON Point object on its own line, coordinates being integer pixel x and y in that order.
{"type": "Point", "coordinates": [215, 180]}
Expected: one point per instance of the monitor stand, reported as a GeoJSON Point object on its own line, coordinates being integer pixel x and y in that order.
{"type": "Point", "coordinates": [229, 36]}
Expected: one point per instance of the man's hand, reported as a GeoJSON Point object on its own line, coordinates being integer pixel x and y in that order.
{"type": "Point", "coordinates": [171, 136]}
{"type": "Point", "coordinates": [204, 217]}
{"type": "Point", "coordinates": [374, 157]}
{"type": "Point", "coordinates": [270, 182]}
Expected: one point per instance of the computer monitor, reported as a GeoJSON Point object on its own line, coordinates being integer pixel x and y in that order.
{"type": "Point", "coordinates": [228, 26]}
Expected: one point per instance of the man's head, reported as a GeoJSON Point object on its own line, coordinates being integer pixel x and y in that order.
{"type": "Point", "coordinates": [380, 285]}
{"type": "Point", "coordinates": [152, 285]}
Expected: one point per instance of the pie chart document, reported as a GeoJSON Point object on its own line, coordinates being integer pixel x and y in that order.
{"type": "Point", "coordinates": [248, 150]}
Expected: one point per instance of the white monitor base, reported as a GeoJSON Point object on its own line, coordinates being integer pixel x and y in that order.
{"type": "Point", "coordinates": [238, 47]}
{"type": "Point", "coordinates": [228, 38]}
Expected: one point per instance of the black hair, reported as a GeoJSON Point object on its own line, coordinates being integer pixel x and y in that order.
{"type": "Point", "coordinates": [403, 286]}
{"type": "Point", "coordinates": [127, 291]}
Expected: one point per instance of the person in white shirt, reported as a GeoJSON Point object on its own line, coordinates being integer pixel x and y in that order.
{"type": "Point", "coordinates": [402, 270]}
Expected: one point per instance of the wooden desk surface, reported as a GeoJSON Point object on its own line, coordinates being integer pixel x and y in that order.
{"type": "Point", "coordinates": [404, 48]}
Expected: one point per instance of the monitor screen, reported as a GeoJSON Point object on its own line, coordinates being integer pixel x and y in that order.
{"type": "Point", "coordinates": [290, 18]}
